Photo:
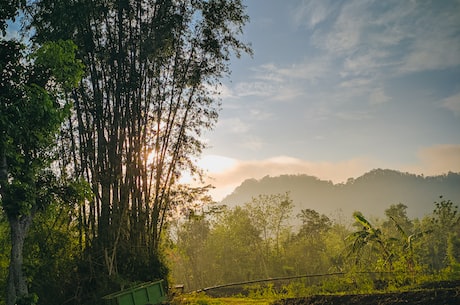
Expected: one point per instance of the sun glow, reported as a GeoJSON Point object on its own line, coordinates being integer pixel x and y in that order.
{"type": "Point", "coordinates": [211, 165]}
{"type": "Point", "coordinates": [215, 164]}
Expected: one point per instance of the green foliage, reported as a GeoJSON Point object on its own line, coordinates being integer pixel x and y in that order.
{"type": "Point", "coordinates": [31, 114]}
{"type": "Point", "coordinates": [389, 256]}
{"type": "Point", "coordinates": [51, 256]}
{"type": "Point", "coordinates": [5, 248]}
{"type": "Point", "coordinates": [368, 237]}
{"type": "Point", "coordinates": [267, 291]}
{"type": "Point", "coordinates": [139, 115]}
{"type": "Point", "coordinates": [58, 60]}
{"type": "Point", "coordinates": [29, 299]}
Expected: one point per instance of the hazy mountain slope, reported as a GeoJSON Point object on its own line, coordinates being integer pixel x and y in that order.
{"type": "Point", "coordinates": [371, 193]}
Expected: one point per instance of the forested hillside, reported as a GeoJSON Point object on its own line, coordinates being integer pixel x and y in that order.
{"type": "Point", "coordinates": [370, 193]}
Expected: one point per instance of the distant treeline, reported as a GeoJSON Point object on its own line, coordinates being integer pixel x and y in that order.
{"type": "Point", "coordinates": [370, 193]}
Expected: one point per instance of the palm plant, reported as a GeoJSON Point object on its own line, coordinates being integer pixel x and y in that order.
{"type": "Point", "coordinates": [368, 236]}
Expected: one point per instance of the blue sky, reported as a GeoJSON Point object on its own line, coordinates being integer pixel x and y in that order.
{"type": "Point", "coordinates": [337, 88]}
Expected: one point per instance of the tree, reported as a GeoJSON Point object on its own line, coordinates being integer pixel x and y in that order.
{"type": "Point", "coordinates": [313, 224]}
{"type": "Point", "coordinates": [31, 114]}
{"type": "Point", "coordinates": [269, 213]}
{"type": "Point", "coordinates": [153, 70]}
{"type": "Point", "coordinates": [368, 236]}
{"type": "Point", "coordinates": [192, 237]}
{"type": "Point", "coordinates": [397, 214]}
{"type": "Point", "coordinates": [306, 251]}
{"type": "Point", "coordinates": [235, 247]}
{"type": "Point", "coordinates": [5, 250]}
{"type": "Point", "coordinates": [399, 229]}
{"type": "Point", "coordinates": [445, 227]}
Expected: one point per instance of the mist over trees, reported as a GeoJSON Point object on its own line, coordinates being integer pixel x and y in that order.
{"type": "Point", "coordinates": [231, 246]}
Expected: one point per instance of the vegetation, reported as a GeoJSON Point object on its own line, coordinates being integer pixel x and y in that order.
{"type": "Point", "coordinates": [102, 110]}
{"type": "Point", "coordinates": [30, 118]}
{"type": "Point", "coordinates": [386, 254]}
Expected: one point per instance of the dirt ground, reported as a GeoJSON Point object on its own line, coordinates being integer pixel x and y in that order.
{"type": "Point", "coordinates": [428, 297]}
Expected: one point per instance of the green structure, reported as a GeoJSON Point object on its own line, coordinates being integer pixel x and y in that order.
{"type": "Point", "coordinates": [143, 294]}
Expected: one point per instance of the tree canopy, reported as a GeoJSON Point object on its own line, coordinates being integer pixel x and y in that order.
{"type": "Point", "coordinates": [31, 113]}
{"type": "Point", "coordinates": [148, 90]}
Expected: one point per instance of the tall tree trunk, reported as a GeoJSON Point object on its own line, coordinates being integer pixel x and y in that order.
{"type": "Point", "coordinates": [152, 69]}
{"type": "Point", "coordinates": [17, 284]}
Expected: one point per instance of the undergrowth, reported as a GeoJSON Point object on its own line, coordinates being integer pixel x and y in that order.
{"type": "Point", "coordinates": [353, 283]}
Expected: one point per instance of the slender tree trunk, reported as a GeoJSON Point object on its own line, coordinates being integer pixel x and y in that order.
{"type": "Point", "coordinates": [17, 284]}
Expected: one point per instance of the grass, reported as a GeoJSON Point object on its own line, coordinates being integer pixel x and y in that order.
{"type": "Point", "coordinates": [267, 294]}
{"type": "Point", "coordinates": [202, 299]}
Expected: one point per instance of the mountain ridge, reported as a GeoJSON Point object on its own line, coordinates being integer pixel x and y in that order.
{"type": "Point", "coordinates": [371, 193]}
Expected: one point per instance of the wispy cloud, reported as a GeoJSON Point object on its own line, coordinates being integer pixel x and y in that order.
{"type": "Point", "coordinates": [312, 13]}
{"type": "Point", "coordinates": [309, 69]}
{"type": "Point", "coordinates": [257, 88]}
{"type": "Point", "coordinates": [435, 40]}
{"type": "Point", "coordinates": [354, 115]}
{"type": "Point", "coordinates": [253, 143]}
{"type": "Point", "coordinates": [369, 34]}
{"type": "Point", "coordinates": [233, 125]}
{"type": "Point", "coordinates": [378, 96]}
{"type": "Point", "coordinates": [452, 103]}
{"type": "Point", "coordinates": [355, 82]}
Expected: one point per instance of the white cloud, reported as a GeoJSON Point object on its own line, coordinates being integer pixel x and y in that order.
{"type": "Point", "coordinates": [435, 41]}
{"type": "Point", "coordinates": [438, 159]}
{"type": "Point", "coordinates": [310, 69]}
{"type": "Point", "coordinates": [369, 34]}
{"type": "Point", "coordinates": [262, 89]}
{"type": "Point", "coordinates": [355, 82]}
{"type": "Point", "coordinates": [224, 92]}
{"type": "Point", "coordinates": [346, 32]}
{"type": "Point", "coordinates": [215, 163]}
{"type": "Point", "coordinates": [312, 12]}
{"type": "Point", "coordinates": [433, 54]}
{"type": "Point", "coordinates": [354, 115]}
{"type": "Point", "coordinates": [367, 63]}
{"type": "Point", "coordinates": [288, 93]}
{"type": "Point", "coordinates": [252, 143]}
{"type": "Point", "coordinates": [452, 103]}
{"type": "Point", "coordinates": [268, 72]}
{"type": "Point", "coordinates": [258, 114]}
{"type": "Point", "coordinates": [378, 96]}
{"type": "Point", "coordinates": [233, 125]}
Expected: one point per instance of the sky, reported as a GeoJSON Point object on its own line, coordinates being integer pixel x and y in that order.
{"type": "Point", "coordinates": [337, 88]}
